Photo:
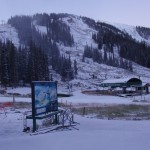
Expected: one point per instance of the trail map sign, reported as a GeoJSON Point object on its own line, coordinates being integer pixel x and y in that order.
{"type": "Point", "coordinates": [45, 105]}
{"type": "Point", "coordinates": [44, 97]}
{"type": "Point", "coordinates": [44, 100]}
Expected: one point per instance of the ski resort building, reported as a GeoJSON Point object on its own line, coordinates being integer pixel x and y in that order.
{"type": "Point", "coordinates": [124, 86]}
{"type": "Point", "coordinates": [126, 82]}
{"type": "Point", "coordinates": [127, 85]}
{"type": "Point", "coordinates": [145, 87]}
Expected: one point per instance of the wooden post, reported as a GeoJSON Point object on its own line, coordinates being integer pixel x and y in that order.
{"type": "Point", "coordinates": [56, 120]}
{"type": "Point", "coordinates": [13, 102]}
{"type": "Point", "coordinates": [83, 110]}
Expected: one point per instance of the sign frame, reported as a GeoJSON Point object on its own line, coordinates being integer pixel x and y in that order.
{"type": "Point", "coordinates": [44, 98]}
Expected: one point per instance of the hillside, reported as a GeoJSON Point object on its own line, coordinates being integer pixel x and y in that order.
{"type": "Point", "coordinates": [72, 33]}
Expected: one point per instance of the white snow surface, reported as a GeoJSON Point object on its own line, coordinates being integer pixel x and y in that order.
{"type": "Point", "coordinates": [10, 33]}
{"type": "Point", "coordinates": [41, 29]}
{"type": "Point", "coordinates": [22, 91]}
{"type": "Point", "coordinates": [81, 32]}
{"type": "Point", "coordinates": [124, 80]}
{"type": "Point", "coordinates": [93, 133]}
{"type": "Point", "coordinates": [78, 97]}
{"type": "Point", "coordinates": [131, 30]}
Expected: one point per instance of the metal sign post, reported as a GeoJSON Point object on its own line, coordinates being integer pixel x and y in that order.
{"type": "Point", "coordinates": [33, 107]}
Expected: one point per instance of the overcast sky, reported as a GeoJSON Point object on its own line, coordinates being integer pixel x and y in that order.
{"type": "Point", "coordinates": [131, 12]}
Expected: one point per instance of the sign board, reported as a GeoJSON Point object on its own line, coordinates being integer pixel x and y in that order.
{"type": "Point", "coordinates": [44, 97]}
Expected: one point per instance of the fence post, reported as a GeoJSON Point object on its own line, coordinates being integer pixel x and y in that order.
{"type": "Point", "coordinates": [13, 101]}
{"type": "Point", "coordinates": [83, 110]}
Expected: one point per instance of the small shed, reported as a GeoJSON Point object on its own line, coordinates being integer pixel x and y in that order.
{"type": "Point", "coordinates": [124, 82]}
{"type": "Point", "coordinates": [146, 87]}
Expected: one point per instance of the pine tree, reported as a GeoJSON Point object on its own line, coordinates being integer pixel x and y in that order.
{"type": "Point", "coordinates": [75, 68]}
{"type": "Point", "coordinates": [83, 58]}
{"type": "Point", "coordinates": [130, 66]}
{"type": "Point", "coordinates": [105, 57]}
{"type": "Point", "coordinates": [96, 56]}
{"type": "Point", "coordinates": [13, 74]}
{"type": "Point", "coordinates": [22, 64]}
{"type": "Point", "coordinates": [4, 66]}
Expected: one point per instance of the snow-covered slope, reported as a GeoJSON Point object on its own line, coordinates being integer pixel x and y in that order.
{"type": "Point", "coordinates": [10, 33]}
{"type": "Point", "coordinates": [81, 32]}
{"type": "Point", "coordinates": [131, 30]}
{"type": "Point", "coordinates": [82, 35]}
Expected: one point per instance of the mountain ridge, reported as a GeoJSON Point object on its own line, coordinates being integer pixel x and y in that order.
{"type": "Point", "coordinates": [82, 35]}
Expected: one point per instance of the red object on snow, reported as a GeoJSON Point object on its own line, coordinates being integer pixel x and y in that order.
{"type": "Point", "coordinates": [6, 104]}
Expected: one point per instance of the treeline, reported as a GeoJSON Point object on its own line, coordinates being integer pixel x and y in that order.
{"type": "Point", "coordinates": [143, 31]}
{"type": "Point", "coordinates": [22, 65]}
{"type": "Point", "coordinates": [57, 30]}
{"type": "Point", "coordinates": [90, 22]}
{"type": "Point", "coordinates": [106, 58]}
{"type": "Point", "coordinates": [128, 47]}
{"type": "Point", "coordinates": [62, 64]}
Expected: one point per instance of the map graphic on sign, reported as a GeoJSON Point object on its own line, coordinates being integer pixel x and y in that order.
{"type": "Point", "coordinates": [45, 96]}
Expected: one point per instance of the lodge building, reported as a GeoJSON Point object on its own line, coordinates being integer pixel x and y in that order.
{"type": "Point", "coordinates": [126, 83]}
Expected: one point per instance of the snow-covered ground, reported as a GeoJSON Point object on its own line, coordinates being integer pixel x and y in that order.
{"type": "Point", "coordinates": [78, 97]}
{"type": "Point", "coordinates": [92, 133]}
{"type": "Point", "coordinates": [10, 33]}
{"type": "Point", "coordinates": [22, 91]}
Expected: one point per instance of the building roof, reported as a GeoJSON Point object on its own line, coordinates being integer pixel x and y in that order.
{"type": "Point", "coordinates": [121, 82]}
{"type": "Point", "coordinates": [145, 84]}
